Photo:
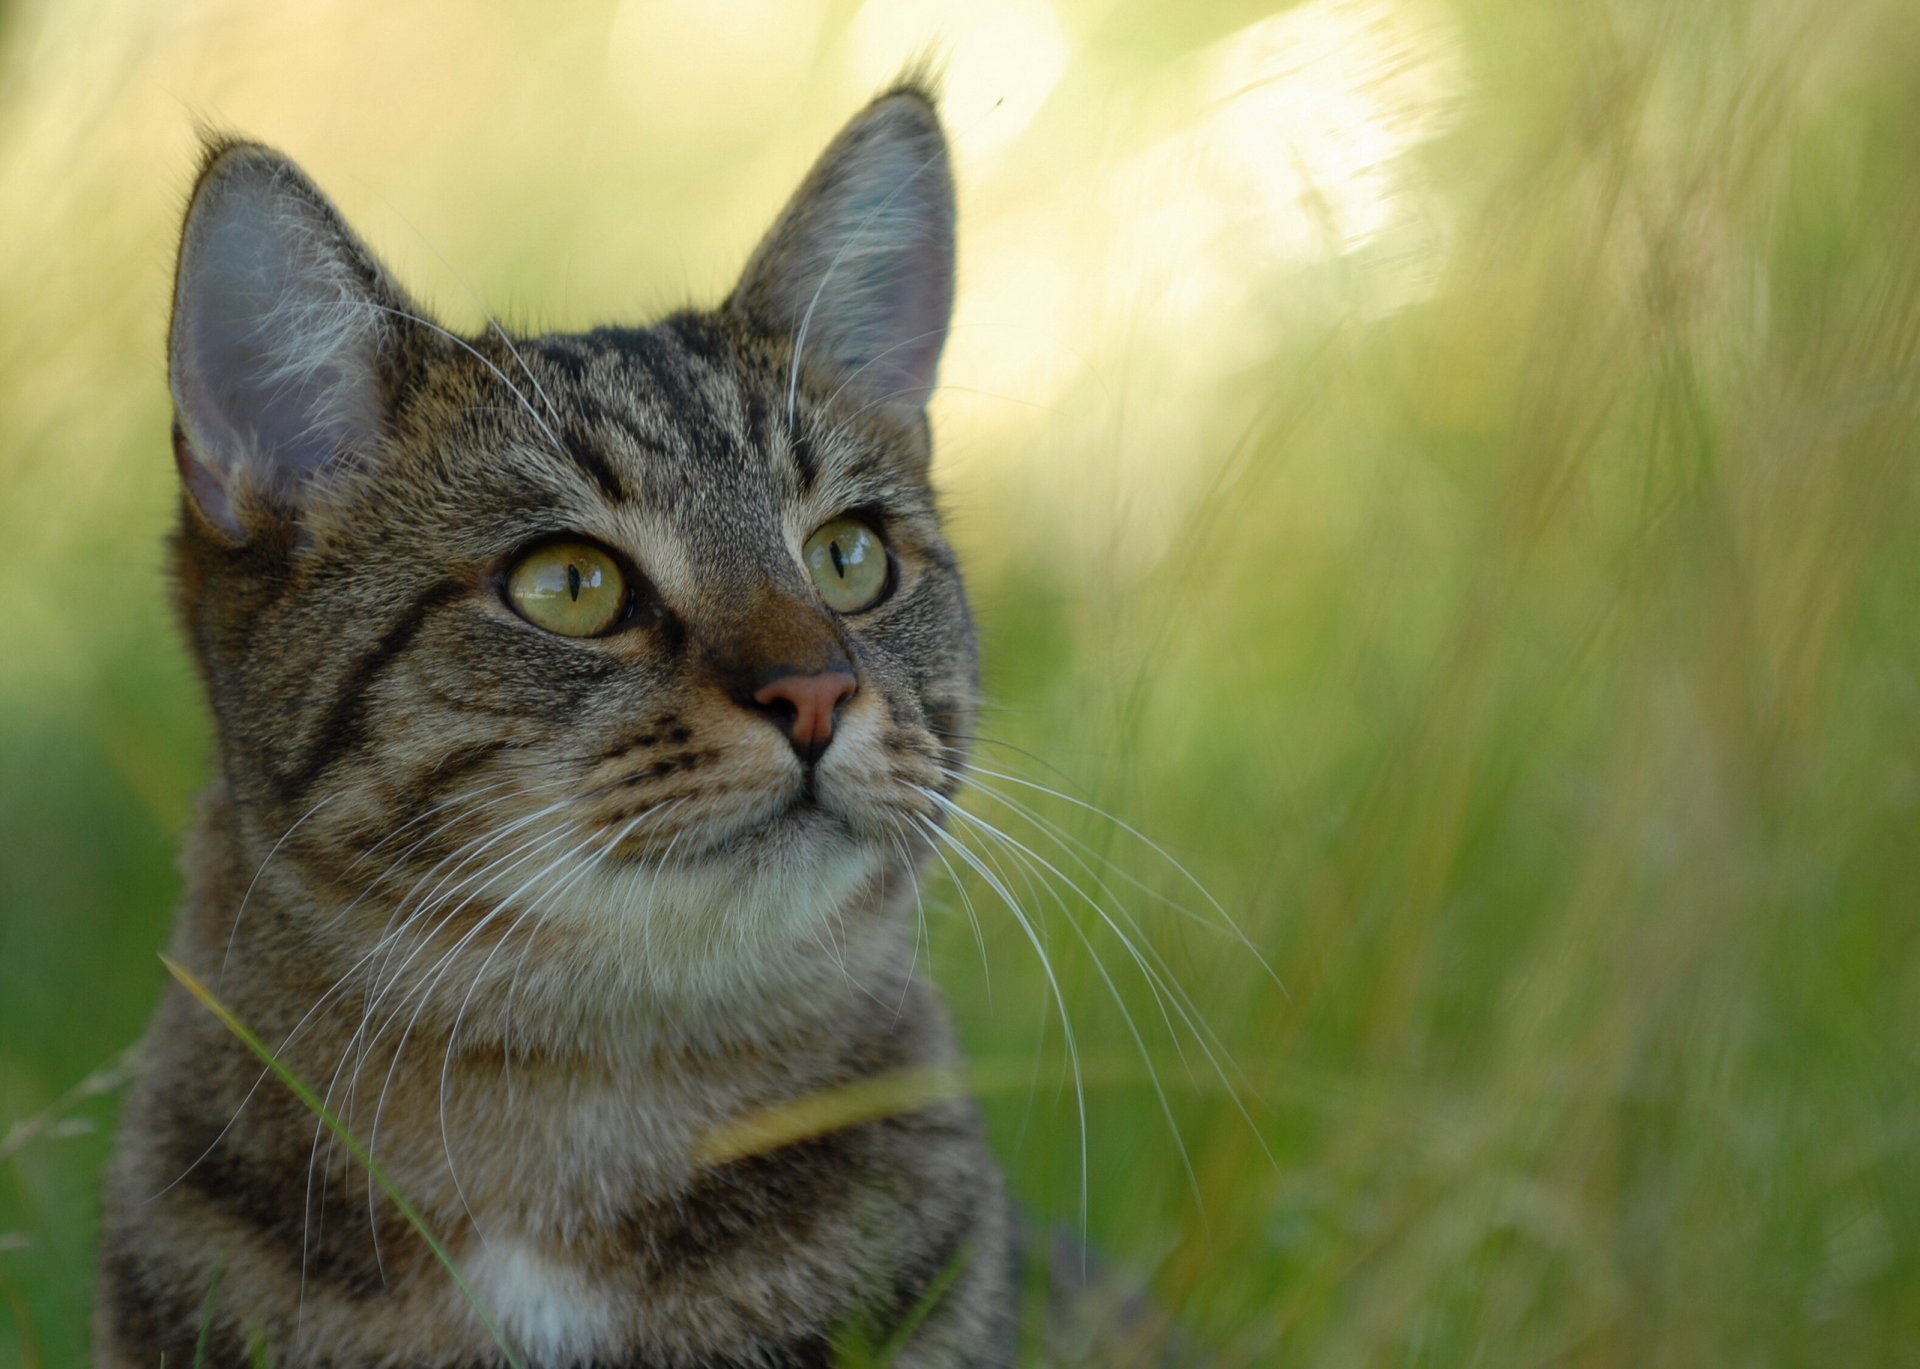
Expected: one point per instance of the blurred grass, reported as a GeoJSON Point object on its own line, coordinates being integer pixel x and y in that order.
{"type": "Point", "coordinates": [1467, 509]}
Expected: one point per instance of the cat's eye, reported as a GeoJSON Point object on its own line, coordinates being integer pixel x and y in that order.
{"type": "Point", "coordinates": [574, 589]}
{"type": "Point", "coordinates": [848, 563]}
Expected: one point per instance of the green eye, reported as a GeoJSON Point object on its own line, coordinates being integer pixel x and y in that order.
{"type": "Point", "coordinates": [572, 588]}
{"type": "Point", "coordinates": [848, 563]}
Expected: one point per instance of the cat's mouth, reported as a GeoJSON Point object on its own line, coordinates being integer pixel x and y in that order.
{"type": "Point", "coordinates": [806, 813]}
{"type": "Point", "coordinates": [801, 824]}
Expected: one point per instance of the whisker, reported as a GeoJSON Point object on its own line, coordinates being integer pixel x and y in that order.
{"type": "Point", "coordinates": [1164, 986]}
{"type": "Point", "coordinates": [1154, 986]}
{"type": "Point", "coordinates": [484, 360]}
{"type": "Point", "coordinates": [286, 1043]}
{"type": "Point", "coordinates": [517, 856]}
{"type": "Point", "coordinates": [442, 806]}
{"type": "Point", "coordinates": [479, 976]}
{"type": "Point", "coordinates": [1197, 1021]}
{"type": "Point", "coordinates": [994, 882]}
{"type": "Point", "coordinates": [486, 313]}
{"type": "Point", "coordinates": [549, 897]}
{"type": "Point", "coordinates": [973, 918]}
{"type": "Point", "coordinates": [253, 883]}
{"type": "Point", "coordinates": [424, 989]}
{"type": "Point", "coordinates": [463, 855]}
{"type": "Point", "coordinates": [920, 935]}
{"type": "Point", "coordinates": [1193, 880]}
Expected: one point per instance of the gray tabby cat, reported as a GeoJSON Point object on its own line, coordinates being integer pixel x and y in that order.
{"type": "Point", "coordinates": [584, 705]}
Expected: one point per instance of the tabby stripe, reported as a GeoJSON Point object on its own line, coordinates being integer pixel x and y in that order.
{"type": "Point", "coordinates": [341, 730]}
{"type": "Point", "coordinates": [803, 461]}
{"type": "Point", "coordinates": [444, 773]}
{"type": "Point", "coordinates": [700, 339]}
{"type": "Point", "coordinates": [675, 382]}
{"type": "Point", "coordinates": [595, 466]}
{"type": "Point", "coordinates": [912, 1284]}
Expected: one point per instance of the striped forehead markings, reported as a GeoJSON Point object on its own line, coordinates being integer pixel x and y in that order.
{"type": "Point", "coordinates": [803, 461]}
{"type": "Point", "coordinates": [596, 467]}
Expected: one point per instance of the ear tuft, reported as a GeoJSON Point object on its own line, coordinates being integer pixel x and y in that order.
{"type": "Point", "coordinates": [858, 269]}
{"type": "Point", "coordinates": [282, 321]}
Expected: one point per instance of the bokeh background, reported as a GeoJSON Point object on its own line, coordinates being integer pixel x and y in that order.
{"type": "Point", "coordinates": [1446, 475]}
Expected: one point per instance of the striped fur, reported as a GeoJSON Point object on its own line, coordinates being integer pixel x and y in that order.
{"type": "Point", "coordinates": [539, 914]}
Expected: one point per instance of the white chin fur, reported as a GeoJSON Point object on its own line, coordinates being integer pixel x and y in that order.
{"type": "Point", "coordinates": [709, 926]}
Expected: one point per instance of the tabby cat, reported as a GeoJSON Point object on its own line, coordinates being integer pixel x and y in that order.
{"type": "Point", "coordinates": [585, 704]}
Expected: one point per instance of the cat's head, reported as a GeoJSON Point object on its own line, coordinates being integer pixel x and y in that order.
{"type": "Point", "coordinates": [628, 662]}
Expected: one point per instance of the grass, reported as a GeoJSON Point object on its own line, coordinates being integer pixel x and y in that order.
{"type": "Point", "coordinates": [354, 1147]}
{"type": "Point", "coordinates": [1509, 610]}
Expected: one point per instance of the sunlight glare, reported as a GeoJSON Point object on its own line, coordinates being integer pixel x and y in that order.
{"type": "Point", "coordinates": [1300, 157]}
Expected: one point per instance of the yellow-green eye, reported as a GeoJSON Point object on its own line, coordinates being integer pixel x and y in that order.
{"type": "Point", "coordinates": [848, 563]}
{"type": "Point", "coordinates": [572, 588]}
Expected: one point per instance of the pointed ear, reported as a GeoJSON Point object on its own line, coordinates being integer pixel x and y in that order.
{"type": "Point", "coordinates": [858, 269]}
{"type": "Point", "coordinates": [282, 344]}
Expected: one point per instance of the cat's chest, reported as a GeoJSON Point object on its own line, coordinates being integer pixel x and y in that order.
{"type": "Point", "coordinates": [562, 1165]}
{"type": "Point", "coordinates": [554, 1306]}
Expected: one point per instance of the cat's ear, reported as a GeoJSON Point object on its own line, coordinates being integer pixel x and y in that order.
{"type": "Point", "coordinates": [858, 269]}
{"type": "Point", "coordinates": [283, 336]}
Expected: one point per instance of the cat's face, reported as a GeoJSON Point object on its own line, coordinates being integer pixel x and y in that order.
{"type": "Point", "coordinates": [624, 663]}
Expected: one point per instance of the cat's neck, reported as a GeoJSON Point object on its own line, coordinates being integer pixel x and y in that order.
{"type": "Point", "coordinates": [588, 1062]}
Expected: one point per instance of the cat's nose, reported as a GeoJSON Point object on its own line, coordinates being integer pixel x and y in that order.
{"type": "Point", "coordinates": [805, 706]}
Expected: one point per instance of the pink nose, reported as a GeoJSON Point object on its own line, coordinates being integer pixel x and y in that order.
{"type": "Point", "coordinates": [803, 706]}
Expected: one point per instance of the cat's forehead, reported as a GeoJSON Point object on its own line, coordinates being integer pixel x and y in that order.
{"type": "Point", "coordinates": [690, 419]}
{"type": "Point", "coordinates": [664, 400]}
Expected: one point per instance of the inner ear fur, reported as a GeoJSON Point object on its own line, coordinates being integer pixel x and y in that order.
{"type": "Point", "coordinates": [857, 271]}
{"type": "Point", "coordinates": [284, 335]}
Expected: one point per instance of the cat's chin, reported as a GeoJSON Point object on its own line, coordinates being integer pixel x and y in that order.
{"type": "Point", "coordinates": [756, 922]}
{"type": "Point", "coordinates": [800, 829]}
{"type": "Point", "coordinates": [742, 900]}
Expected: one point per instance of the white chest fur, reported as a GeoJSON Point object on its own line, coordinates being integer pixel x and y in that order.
{"type": "Point", "coordinates": [553, 1311]}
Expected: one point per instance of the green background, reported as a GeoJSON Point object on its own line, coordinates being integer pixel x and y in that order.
{"type": "Point", "coordinates": [1447, 474]}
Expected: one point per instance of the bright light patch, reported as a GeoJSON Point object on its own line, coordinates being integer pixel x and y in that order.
{"type": "Point", "coordinates": [1317, 107]}
{"type": "Point", "coordinates": [1299, 155]}
{"type": "Point", "coordinates": [1246, 169]}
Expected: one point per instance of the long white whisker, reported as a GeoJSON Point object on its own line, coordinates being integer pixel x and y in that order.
{"type": "Point", "coordinates": [548, 897]}
{"type": "Point", "coordinates": [479, 976]}
{"type": "Point", "coordinates": [480, 304]}
{"type": "Point", "coordinates": [1026, 856]}
{"type": "Point", "coordinates": [397, 920]}
{"type": "Point", "coordinates": [460, 859]}
{"type": "Point", "coordinates": [1190, 1013]}
{"type": "Point", "coordinates": [973, 919]}
{"type": "Point", "coordinates": [285, 1043]}
{"type": "Point", "coordinates": [255, 881]}
{"type": "Point", "coordinates": [513, 859]}
{"type": "Point", "coordinates": [1070, 843]}
{"type": "Point", "coordinates": [485, 361]}
{"type": "Point", "coordinates": [859, 370]}
{"type": "Point", "coordinates": [1166, 990]}
{"type": "Point", "coordinates": [424, 989]}
{"type": "Point", "coordinates": [1225, 917]}
{"type": "Point", "coordinates": [995, 883]}
{"type": "Point", "coordinates": [921, 932]}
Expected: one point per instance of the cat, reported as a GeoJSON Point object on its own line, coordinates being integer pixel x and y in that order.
{"type": "Point", "coordinates": [585, 705]}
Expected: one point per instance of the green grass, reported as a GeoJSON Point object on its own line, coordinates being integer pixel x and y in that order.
{"type": "Point", "coordinates": [1513, 620]}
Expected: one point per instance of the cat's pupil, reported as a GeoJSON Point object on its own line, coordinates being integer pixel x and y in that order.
{"type": "Point", "coordinates": [573, 583]}
{"type": "Point", "coordinates": [839, 563]}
